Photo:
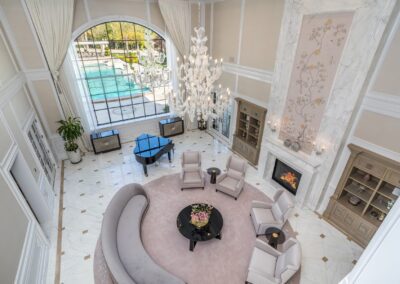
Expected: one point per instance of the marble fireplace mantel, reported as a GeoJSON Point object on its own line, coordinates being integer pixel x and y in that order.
{"type": "Point", "coordinates": [307, 165]}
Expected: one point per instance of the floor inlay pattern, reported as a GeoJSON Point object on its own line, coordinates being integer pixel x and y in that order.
{"type": "Point", "coordinates": [98, 177]}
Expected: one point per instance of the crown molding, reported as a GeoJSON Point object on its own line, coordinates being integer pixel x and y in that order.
{"type": "Point", "coordinates": [382, 103]}
{"type": "Point", "coordinates": [248, 72]}
{"type": "Point", "coordinates": [250, 99]}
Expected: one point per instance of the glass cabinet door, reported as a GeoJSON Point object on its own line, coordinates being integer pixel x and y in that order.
{"type": "Point", "coordinates": [42, 151]}
{"type": "Point", "coordinates": [221, 126]}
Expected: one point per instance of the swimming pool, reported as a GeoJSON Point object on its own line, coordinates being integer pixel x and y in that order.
{"type": "Point", "coordinates": [110, 86]}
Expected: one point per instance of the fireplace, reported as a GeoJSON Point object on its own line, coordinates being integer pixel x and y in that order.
{"type": "Point", "coordinates": [286, 176]}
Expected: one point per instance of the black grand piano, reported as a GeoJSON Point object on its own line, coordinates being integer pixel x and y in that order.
{"type": "Point", "coordinates": [150, 148]}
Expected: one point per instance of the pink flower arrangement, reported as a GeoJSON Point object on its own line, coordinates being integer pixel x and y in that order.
{"type": "Point", "coordinates": [200, 214]}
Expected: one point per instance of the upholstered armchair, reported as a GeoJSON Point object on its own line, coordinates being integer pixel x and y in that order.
{"type": "Point", "coordinates": [268, 265]}
{"type": "Point", "coordinates": [191, 176]}
{"type": "Point", "coordinates": [232, 181]}
{"type": "Point", "coordinates": [275, 214]}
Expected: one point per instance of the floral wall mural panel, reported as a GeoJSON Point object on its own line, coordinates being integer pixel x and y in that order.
{"type": "Point", "coordinates": [320, 46]}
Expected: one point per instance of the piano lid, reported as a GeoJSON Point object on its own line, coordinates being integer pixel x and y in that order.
{"type": "Point", "coordinates": [149, 145]}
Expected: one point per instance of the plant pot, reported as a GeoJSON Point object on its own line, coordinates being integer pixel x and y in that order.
{"type": "Point", "coordinates": [74, 156]}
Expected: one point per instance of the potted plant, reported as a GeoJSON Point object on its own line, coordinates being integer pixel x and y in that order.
{"type": "Point", "coordinates": [70, 130]}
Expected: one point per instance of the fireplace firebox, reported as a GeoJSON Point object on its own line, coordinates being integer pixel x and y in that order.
{"type": "Point", "coordinates": [286, 176]}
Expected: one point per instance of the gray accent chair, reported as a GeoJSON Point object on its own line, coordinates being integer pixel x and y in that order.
{"type": "Point", "coordinates": [268, 265]}
{"type": "Point", "coordinates": [191, 176]}
{"type": "Point", "coordinates": [275, 214]}
{"type": "Point", "coordinates": [121, 244]}
{"type": "Point", "coordinates": [232, 181]}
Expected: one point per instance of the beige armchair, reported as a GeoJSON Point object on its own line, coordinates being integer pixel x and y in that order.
{"type": "Point", "coordinates": [275, 214]}
{"type": "Point", "coordinates": [232, 181]}
{"type": "Point", "coordinates": [267, 265]}
{"type": "Point", "coordinates": [191, 176]}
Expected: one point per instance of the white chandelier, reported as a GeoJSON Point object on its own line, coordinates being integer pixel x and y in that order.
{"type": "Point", "coordinates": [196, 96]}
{"type": "Point", "coordinates": [151, 73]}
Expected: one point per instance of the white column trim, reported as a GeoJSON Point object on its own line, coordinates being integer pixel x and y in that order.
{"type": "Point", "coordinates": [242, 7]}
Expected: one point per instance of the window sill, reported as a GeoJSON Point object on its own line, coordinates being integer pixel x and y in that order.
{"type": "Point", "coordinates": [124, 124]}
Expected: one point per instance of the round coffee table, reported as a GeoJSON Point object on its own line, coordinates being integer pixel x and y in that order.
{"type": "Point", "coordinates": [275, 236]}
{"type": "Point", "coordinates": [213, 172]}
{"type": "Point", "coordinates": [208, 232]}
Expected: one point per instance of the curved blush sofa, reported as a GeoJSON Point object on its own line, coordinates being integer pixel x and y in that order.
{"type": "Point", "coordinates": [120, 256]}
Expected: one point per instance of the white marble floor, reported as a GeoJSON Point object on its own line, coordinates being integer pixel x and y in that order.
{"type": "Point", "coordinates": [88, 187]}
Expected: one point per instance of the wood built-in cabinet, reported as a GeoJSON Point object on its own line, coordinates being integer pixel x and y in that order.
{"type": "Point", "coordinates": [247, 139]}
{"type": "Point", "coordinates": [372, 180]}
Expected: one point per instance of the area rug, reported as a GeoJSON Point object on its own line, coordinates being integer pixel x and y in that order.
{"type": "Point", "coordinates": [214, 261]}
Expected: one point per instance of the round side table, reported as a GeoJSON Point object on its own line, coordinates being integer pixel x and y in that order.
{"type": "Point", "coordinates": [213, 172]}
{"type": "Point", "coordinates": [275, 236]}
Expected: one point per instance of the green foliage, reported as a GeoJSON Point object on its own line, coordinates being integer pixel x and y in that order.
{"type": "Point", "coordinates": [98, 33]}
{"type": "Point", "coordinates": [70, 130]}
{"type": "Point", "coordinates": [133, 59]}
{"type": "Point", "coordinates": [70, 146]}
{"type": "Point", "coordinates": [166, 108]}
{"type": "Point", "coordinates": [107, 51]}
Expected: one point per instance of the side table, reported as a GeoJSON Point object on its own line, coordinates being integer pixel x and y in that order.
{"type": "Point", "coordinates": [275, 236]}
{"type": "Point", "coordinates": [213, 172]}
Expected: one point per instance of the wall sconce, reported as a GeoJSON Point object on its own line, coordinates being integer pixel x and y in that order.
{"type": "Point", "coordinates": [318, 148]}
{"type": "Point", "coordinates": [273, 125]}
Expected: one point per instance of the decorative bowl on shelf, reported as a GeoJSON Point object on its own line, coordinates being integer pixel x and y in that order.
{"type": "Point", "coordinates": [354, 200]}
{"type": "Point", "coordinates": [381, 217]}
{"type": "Point", "coordinates": [367, 177]}
{"type": "Point", "coordinates": [373, 213]}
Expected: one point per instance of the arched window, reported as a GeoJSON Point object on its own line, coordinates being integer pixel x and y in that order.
{"type": "Point", "coordinates": [107, 57]}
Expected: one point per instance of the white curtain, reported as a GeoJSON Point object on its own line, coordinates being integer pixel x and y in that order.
{"type": "Point", "coordinates": [177, 17]}
{"type": "Point", "coordinates": [53, 24]}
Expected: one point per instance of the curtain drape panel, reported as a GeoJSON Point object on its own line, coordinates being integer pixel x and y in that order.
{"type": "Point", "coordinates": [53, 24]}
{"type": "Point", "coordinates": [177, 17]}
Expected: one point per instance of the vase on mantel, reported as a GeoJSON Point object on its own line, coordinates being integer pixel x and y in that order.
{"type": "Point", "coordinates": [295, 146]}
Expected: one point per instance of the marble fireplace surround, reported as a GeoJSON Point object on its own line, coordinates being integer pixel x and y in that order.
{"type": "Point", "coordinates": [303, 163]}
{"type": "Point", "coordinates": [368, 25]}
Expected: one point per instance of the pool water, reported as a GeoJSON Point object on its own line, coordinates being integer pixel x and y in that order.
{"type": "Point", "coordinates": [110, 87]}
